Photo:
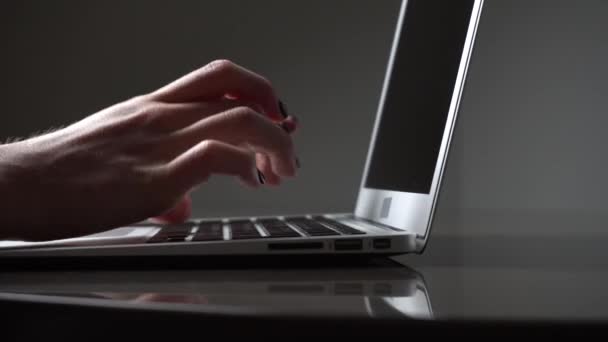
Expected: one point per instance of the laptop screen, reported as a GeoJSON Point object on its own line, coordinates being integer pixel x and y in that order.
{"type": "Point", "coordinates": [418, 96]}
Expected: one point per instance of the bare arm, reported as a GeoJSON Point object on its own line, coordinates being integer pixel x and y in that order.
{"type": "Point", "coordinates": [140, 158]}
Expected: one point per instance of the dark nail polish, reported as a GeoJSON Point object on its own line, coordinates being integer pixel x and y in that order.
{"type": "Point", "coordinates": [295, 119]}
{"type": "Point", "coordinates": [284, 126]}
{"type": "Point", "coordinates": [297, 162]}
{"type": "Point", "coordinates": [283, 109]}
{"type": "Point", "coordinates": [261, 177]}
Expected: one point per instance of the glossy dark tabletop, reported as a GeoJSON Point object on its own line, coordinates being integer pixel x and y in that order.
{"type": "Point", "coordinates": [475, 278]}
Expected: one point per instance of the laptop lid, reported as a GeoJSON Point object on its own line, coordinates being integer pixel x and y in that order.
{"type": "Point", "coordinates": [416, 113]}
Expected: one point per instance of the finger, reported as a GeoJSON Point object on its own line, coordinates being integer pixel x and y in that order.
{"type": "Point", "coordinates": [264, 165]}
{"type": "Point", "coordinates": [288, 116]}
{"type": "Point", "coordinates": [175, 116]}
{"type": "Point", "coordinates": [290, 124]}
{"type": "Point", "coordinates": [242, 125]}
{"type": "Point", "coordinates": [168, 117]}
{"type": "Point", "coordinates": [179, 213]}
{"type": "Point", "coordinates": [209, 157]}
{"type": "Point", "coordinates": [219, 79]}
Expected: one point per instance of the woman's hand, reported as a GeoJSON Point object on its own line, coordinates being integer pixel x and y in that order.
{"type": "Point", "coordinates": [139, 159]}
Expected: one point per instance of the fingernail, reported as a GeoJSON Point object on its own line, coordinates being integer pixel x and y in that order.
{"type": "Point", "coordinates": [284, 126]}
{"type": "Point", "coordinates": [283, 109]}
{"type": "Point", "coordinates": [295, 119]}
{"type": "Point", "coordinates": [297, 162]}
{"type": "Point", "coordinates": [261, 177]}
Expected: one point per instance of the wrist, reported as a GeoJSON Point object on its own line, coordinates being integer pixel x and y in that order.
{"type": "Point", "coordinates": [6, 160]}
{"type": "Point", "coordinates": [13, 215]}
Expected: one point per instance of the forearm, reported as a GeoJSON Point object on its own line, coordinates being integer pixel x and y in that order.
{"type": "Point", "coordinates": [140, 158]}
{"type": "Point", "coordinates": [7, 191]}
{"type": "Point", "coordinates": [16, 195]}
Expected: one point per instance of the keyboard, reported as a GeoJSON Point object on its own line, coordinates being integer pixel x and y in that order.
{"type": "Point", "coordinates": [267, 228]}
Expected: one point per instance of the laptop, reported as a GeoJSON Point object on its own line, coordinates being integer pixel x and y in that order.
{"type": "Point", "coordinates": [402, 174]}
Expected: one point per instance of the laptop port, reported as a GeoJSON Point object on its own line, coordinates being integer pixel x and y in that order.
{"type": "Point", "coordinates": [383, 289]}
{"type": "Point", "coordinates": [282, 246]}
{"type": "Point", "coordinates": [348, 244]}
{"type": "Point", "coordinates": [382, 243]}
{"type": "Point", "coordinates": [348, 289]}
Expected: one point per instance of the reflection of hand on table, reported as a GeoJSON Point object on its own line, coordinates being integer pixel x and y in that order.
{"type": "Point", "coordinates": [156, 297]}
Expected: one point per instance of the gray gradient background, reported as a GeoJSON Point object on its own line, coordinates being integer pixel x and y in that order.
{"type": "Point", "coordinates": [529, 149]}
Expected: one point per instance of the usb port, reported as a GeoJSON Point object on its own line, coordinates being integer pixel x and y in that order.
{"type": "Point", "coordinates": [348, 244]}
{"type": "Point", "coordinates": [348, 289]}
{"type": "Point", "coordinates": [382, 243]}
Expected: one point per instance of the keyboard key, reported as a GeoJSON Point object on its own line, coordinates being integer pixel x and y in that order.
{"type": "Point", "coordinates": [180, 238]}
{"type": "Point", "coordinates": [209, 231]}
{"type": "Point", "coordinates": [162, 237]}
{"type": "Point", "coordinates": [157, 238]}
{"type": "Point", "coordinates": [244, 230]}
{"type": "Point", "coordinates": [172, 233]}
{"type": "Point", "coordinates": [270, 221]}
{"type": "Point", "coordinates": [342, 228]}
{"type": "Point", "coordinates": [312, 228]}
{"type": "Point", "coordinates": [177, 229]}
{"type": "Point", "coordinates": [277, 228]}
{"type": "Point", "coordinates": [296, 218]}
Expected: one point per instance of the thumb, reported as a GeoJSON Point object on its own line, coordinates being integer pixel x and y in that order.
{"type": "Point", "coordinates": [179, 213]}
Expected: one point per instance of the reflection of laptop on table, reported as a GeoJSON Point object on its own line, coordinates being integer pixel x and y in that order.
{"type": "Point", "coordinates": [379, 292]}
{"type": "Point", "coordinates": [402, 175]}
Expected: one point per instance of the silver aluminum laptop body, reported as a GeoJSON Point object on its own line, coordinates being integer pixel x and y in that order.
{"type": "Point", "coordinates": [402, 172]}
